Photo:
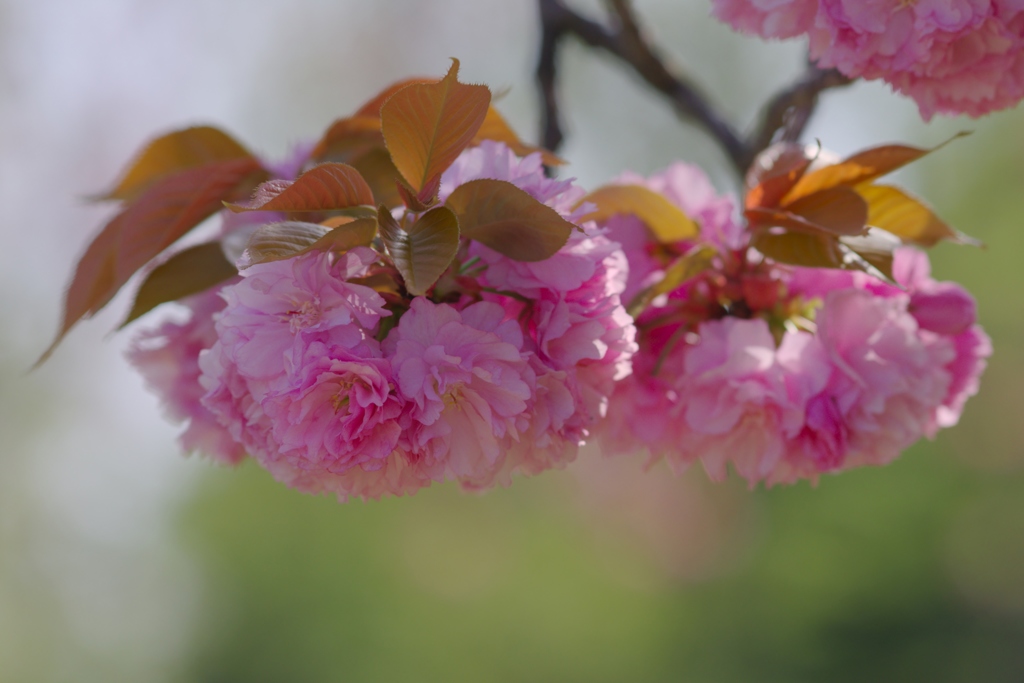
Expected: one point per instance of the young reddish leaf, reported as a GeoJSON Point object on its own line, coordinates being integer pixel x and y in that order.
{"type": "Point", "coordinates": [381, 175]}
{"type": "Point", "coordinates": [907, 217]}
{"type": "Point", "coordinates": [427, 125]}
{"type": "Point", "coordinates": [418, 201]}
{"type": "Point", "coordinates": [175, 152]}
{"type": "Point", "coordinates": [496, 128]}
{"type": "Point", "coordinates": [372, 108]}
{"type": "Point", "coordinates": [322, 188]}
{"type": "Point", "coordinates": [687, 266]}
{"type": "Point", "coordinates": [666, 221]}
{"type": "Point", "coordinates": [276, 241]}
{"type": "Point", "coordinates": [166, 211]}
{"type": "Point", "coordinates": [349, 137]}
{"type": "Point", "coordinates": [862, 167]}
{"type": "Point", "coordinates": [838, 210]}
{"type": "Point", "coordinates": [508, 220]}
{"type": "Point", "coordinates": [775, 171]}
{"type": "Point", "coordinates": [799, 249]}
{"type": "Point", "coordinates": [424, 250]}
{"type": "Point", "coordinates": [188, 272]}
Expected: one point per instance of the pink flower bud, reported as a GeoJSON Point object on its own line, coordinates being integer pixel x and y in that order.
{"type": "Point", "coordinates": [943, 307]}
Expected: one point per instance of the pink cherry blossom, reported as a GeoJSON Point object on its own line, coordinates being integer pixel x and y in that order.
{"type": "Point", "coordinates": [686, 186]}
{"type": "Point", "coordinates": [285, 335]}
{"type": "Point", "coordinates": [576, 334]}
{"type": "Point", "coordinates": [168, 359]}
{"type": "Point", "coordinates": [950, 56]}
{"type": "Point", "coordinates": [466, 386]}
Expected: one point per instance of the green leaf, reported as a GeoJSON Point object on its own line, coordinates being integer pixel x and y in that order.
{"type": "Point", "coordinates": [507, 219]}
{"type": "Point", "coordinates": [163, 213]}
{"type": "Point", "coordinates": [687, 266]}
{"type": "Point", "coordinates": [176, 152]}
{"type": "Point", "coordinates": [424, 250]}
{"type": "Point", "coordinates": [325, 187]}
{"type": "Point", "coordinates": [277, 241]}
{"type": "Point", "coordinates": [667, 222]}
{"type": "Point", "coordinates": [188, 272]}
{"type": "Point", "coordinates": [427, 125]}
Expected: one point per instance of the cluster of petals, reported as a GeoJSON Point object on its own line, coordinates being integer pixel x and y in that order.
{"type": "Point", "coordinates": [950, 56]}
{"type": "Point", "coordinates": [880, 367]}
{"type": "Point", "coordinates": [290, 364]}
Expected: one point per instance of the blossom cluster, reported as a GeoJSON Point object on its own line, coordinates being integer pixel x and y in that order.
{"type": "Point", "coordinates": [785, 372]}
{"type": "Point", "coordinates": [302, 365]}
{"type": "Point", "coordinates": [950, 56]}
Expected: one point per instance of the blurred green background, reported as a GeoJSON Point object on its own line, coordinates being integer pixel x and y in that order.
{"type": "Point", "coordinates": [122, 561]}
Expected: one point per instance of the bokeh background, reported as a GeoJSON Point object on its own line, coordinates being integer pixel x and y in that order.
{"type": "Point", "coordinates": [122, 561]}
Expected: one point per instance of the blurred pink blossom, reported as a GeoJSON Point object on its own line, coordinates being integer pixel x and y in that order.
{"type": "Point", "coordinates": [950, 56]}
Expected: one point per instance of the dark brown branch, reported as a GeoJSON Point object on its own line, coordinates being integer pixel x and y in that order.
{"type": "Point", "coordinates": [628, 45]}
{"type": "Point", "coordinates": [785, 116]}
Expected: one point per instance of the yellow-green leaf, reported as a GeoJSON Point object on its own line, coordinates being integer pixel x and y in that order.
{"type": "Point", "coordinates": [422, 251]}
{"type": "Point", "coordinates": [687, 266]}
{"type": "Point", "coordinates": [188, 272]}
{"type": "Point", "coordinates": [427, 125]}
{"type": "Point", "coordinates": [819, 250]}
{"type": "Point", "coordinates": [666, 221]}
{"type": "Point", "coordinates": [907, 217]}
{"type": "Point", "coordinates": [175, 152]}
{"type": "Point", "coordinates": [507, 219]}
{"type": "Point", "coordinates": [276, 241]}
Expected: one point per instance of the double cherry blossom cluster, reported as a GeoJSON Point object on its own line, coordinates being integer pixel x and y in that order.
{"type": "Point", "coordinates": [785, 372]}
{"type": "Point", "coordinates": [291, 364]}
{"type": "Point", "coordinates": [950, 56]}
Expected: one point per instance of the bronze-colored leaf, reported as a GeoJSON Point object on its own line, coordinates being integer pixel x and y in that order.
{"type": "Point", "coordinates": [426, 126]}
{"type": "Point", "coordinates": [860, 168]}
{"type": "Point", "coordinates": [424, 250]}
{"type": "Point", "coordinates": [666, 221]}
{"type": "Point", "coordinates": [419, 201]}
{"type": "Point", "coordinates": [496, 128]}
{"type": "Point", "coordinates": [277, 241]}
{"type": "Point", "coordinates": [163, 213]}
{"type": "Point", "coordinates": [907, 217]}
{"type": "Point", "coordinates": [775, 171]}
{"type": "Point", "coordinates": [348, 138]}
{"type": "Point", "coordinates": [373, 106]}
{"type": "Point", "coordinates": [322, 188]}
{"type": "Point", "coordinates": [687, 266]}
{"type": "Point", "coordinates": [838, 210]}
{"type": "Point", "coordinates": [381, 175]}
{"type": "Point", "coordinates": [799, 249]}
{"type": "Point", "coordinates": [174, 152]}
{"type": "Point", "coordinates": [188, 272]}
{"type": "Point", "coordinates": [507, 219]}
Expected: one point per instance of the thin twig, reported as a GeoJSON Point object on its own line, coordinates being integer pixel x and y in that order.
{"type": "Point", "coordinates": [785, 116]}
{"type": "Point", "coordinates": [628, 45]}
